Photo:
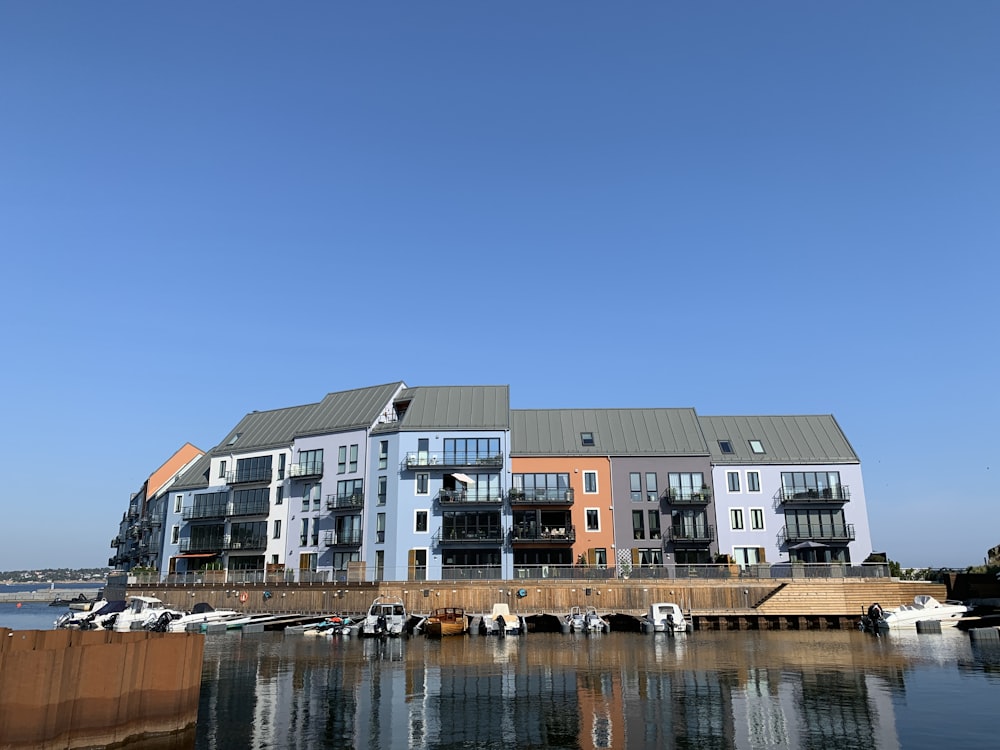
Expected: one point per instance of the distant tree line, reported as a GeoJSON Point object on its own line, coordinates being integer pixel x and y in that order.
{"type": "Point", "coordinates": [54, 574]}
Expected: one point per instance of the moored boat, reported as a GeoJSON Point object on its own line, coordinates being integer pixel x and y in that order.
{"type": "Point", "coordinates": [585, 621]}
{"type": "Point", "coordinates": [925, 608]}
{"type": "Point", "coordinates": [664, 617]}
{"type": "Point", "coordinates": [446, 621]}
{"type": "Point", "coordinates": [386, 616]}
{"type": "Point", "coordinates": [501, 622]}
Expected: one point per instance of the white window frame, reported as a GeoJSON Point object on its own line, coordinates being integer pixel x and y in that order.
{"type": "Point", "coordinates": [736, 520]}
{"type": "Point", "coordinates": [763, 519]}
{"type": "Point", "coordinates": [585, 521]}
{"type": "Point", "coordinates": [733, 476]}
{"type": "Point", "coordinates": [749, 486]}
{"type": "Point", "coordinates": [427, 483]}
{"type": "Point", "coordinates": [596, 486]}
{"type": "Point", "coordinates": [175, 534]}
{"type": "Point", "coordinates": [427, 521]}
{"type": "Point", "coordinates": [178, 503]}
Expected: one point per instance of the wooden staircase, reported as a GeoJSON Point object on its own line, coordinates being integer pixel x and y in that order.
{"type": "Point", "coordinates": [844, 597]}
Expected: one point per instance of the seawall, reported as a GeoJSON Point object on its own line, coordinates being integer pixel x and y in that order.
{"type": "Point", "coordinates": [78, 689]}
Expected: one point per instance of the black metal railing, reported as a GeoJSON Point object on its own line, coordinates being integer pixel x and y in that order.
{"type": "Point", "coordinates": [306, 469]}
{"type": "Point", "coordinates": [345, 502]}
{"type": "Point", "coordinates": [245, 476]}
{"type": "Point", "coordinates": [201, 513]}
{"type": "Point", "coordinates": [789, 496]}
{"type": "Point", "coordinates": [446, 459]}
{"type": "Point", "coordinates": [201, 544]}
{"type": "Point", "coordinates": [544, 534]}
{"type": "Point", "coordinates": [342, 539]}
{"type": "Point", "coordinates": [541, 497]}
{"type": "Point", "coordinates": [469, 535]}
{"type": "Point", "coordinates": [246, 543]}
{"type": "Point", "coordinates": [837, 532]}
{"type": "Point", "coordinates": [467, 497]}
{"type": "Point", "coordinates": [261, 508]}
{"type": "Point", "coordinates": [690, 534]}
{"type": "Point", "coordinates": [678, 496]}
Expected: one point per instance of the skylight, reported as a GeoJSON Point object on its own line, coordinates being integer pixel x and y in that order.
{"type": "Point", "coordinates": [726, 446]}
{"type": "Point", "coordinates": [586, 438]}
{"type": "Point", "coordinates": [235, 438]}
{"type": "Point", "coordinates": [756, 446]}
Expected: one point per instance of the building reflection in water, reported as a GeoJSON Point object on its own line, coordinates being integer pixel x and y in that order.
{"type": "Point", "coordinates": [705, 690]}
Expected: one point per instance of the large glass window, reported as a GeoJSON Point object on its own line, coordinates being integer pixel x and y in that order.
{"type": "Point", "coordinates": [683, 486]}
{"type": "Point", "coordinates": [543, 487]}
{"type": "Point", "coordinates": [803, 484]}
{"type": "Point", "coordinates": [251, 502]}
{"type": "Point", "coordinates": [310, 462]}
{"type": "Point", "coordinates": [257, 469]}
{"type": "Point", "coordinates": [470, 451]}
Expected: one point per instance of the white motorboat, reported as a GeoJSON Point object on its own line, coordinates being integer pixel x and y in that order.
{"type": "Point", "coordinates": [580, 621]}
{"type": "Point", "coordinates": [98, 618]}
{"type": "Point", "coordinates": [200, 615]}
{"type": "Point", "coordinates": [501, 622]}
{"type": "Point", "coordinates": [143, 612]}
{"type": "Point", "coordinates": [665, 617]}
{"type": "Point", "coordinates": [924, 608]}
{"type": "Point", "coordinates": [386, 616]}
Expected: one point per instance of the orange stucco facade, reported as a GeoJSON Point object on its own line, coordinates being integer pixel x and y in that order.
{"type": "Point", "coordinates": [588, 538]}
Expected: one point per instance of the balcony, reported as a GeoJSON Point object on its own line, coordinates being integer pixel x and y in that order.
{"type": "Point", "coordinates": [794, 496]}
{"type": "Point", "coordinates": [354, 501]}
{"type": "Point", "coordinates": [206, 544]}
{"type": "Point", "coordinates": [692, 535]}
{"type": "Point", "coordinates": [350, 538]}
{"type": "Point", "coordinates": [246, 543]}
{"type": "Point", "coordinates": [203, 513]}
{"type": "Point", "coordinates": [250, 509]}
{"type": "Point", "coordinates": [533, 534]}
{"type": "Point", "coordinates": [116, 542]}
{"type": "Point", "coordinates": [469, 535]}
{"type": "Point", "coordinates": [246, 476]}
{"type": "Point", "coordinates": [541, 497]}
{"type": "Point", "coordinates": [467, 497]}
{"type": "Point", "coordinates": [446, 460]}
{"type": "Point", "coordinates": [306, 470]}
{"type": "Point", "coordinates": [838, 532]}
{"type": "Point", "coordinates": [678, 496]}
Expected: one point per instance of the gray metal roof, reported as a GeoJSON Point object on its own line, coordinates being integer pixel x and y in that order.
{"type": "Point", "coordinates": [196, 475]}
{"type": "Point", "coordinates": [617, 432]}
{"type": "Point", "coordinates": [349, 410]}
{"type": "Point", "coordinates": [454, 407]}
{"type": "Point", "coordinates": [265, 429]}
{"type": "Point", "coordinates": [798, 439]}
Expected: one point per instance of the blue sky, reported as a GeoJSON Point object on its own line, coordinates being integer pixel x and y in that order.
{"type": "Point", "coordinates": [747, 208]}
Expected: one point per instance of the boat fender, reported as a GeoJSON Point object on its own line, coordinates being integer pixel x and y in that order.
{"type": "Point", "coordinates": [521, 593]}
{"type": "Point", "coordinates": [244, 596]}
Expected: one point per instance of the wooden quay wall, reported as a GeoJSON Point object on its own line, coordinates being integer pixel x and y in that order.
{"type": "Point", "coordinates": [729, 604]}
{"type": "Point", "coordinates": [71, 689]}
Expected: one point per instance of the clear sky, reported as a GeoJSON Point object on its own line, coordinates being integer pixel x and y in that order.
{"type": "Point", "coordinates": [745, 208]}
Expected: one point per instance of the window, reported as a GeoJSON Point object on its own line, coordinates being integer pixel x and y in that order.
{"type": "Point", "coordinates": [736, 519]}
{"type": "Point", "coordinates": [638, 531]}
{"type": "Point", "coordinates": [175, 534]}
{"type": "Point", "coordinates": [250, 502]}
{"type": "Point", "coordinates": [310, 462]}
{"type": "Point", "coordinates": [281, 465]}
{"type": "Point", "coordinates": [423, 484]}
{"type": "Point", "coordinates": [353, 467]}
{"type": "Point", "coordinates": [757, 519]}
{"type": "Point", "coordinates": [178, 503]}
{"type": "Point", "coordinates": [726, 446]}
{"type": "Point", "coordinates": [257, 469]}
{"type": "Point", "coordinates": [812, 484]}
{"type": "Point", "coordinates": [733, 481]}
{"type": "Point", "coordinates": [279, 497]}
{"type": "Point", "coordinates": [601, 557]}
{"type": "Point", "coordinates": [350, 492]}
{"type": "Point", "coordinates": [651, 493]}
{"type": "Point", "coordinates": [586, 438]}
{"type": "Point", "coordinates": [342, 459]}
{"type": "Point", "coordinates": [380, 528]}
{"type": "Point", "coordinates": [756, 446]}
{"type": "Point", "coordinates": [420, 522]}
{"type": "Point", "coordinates": [593, 519]}
{"type": "Point", "coordinates": [543, 487]}
{"type": "Point", "coordinates": [304, 534]}
{"type": "Point", "coordinates": [635, 486]}
{"type": "Point", "coordinates": [471, 451]}
{"type": "Point", "coordinates": [383, 488]}
{"type": "Point", "coordinates": [685, 487]}
{"type": "Point", "coordinates": [590, 482]}
{"type": "Point", "coordinates": [235, 437]}
{"type": "Point", "coordinates": [383, 454]}
{"type": "Point", "coordinates": [277, 529]}
{"type": "Point", "coordinates": [222, 469]}
{"type": "Point", "coordinates": [654, 524]}
{"type": "Point", "coordinates": [753, 481]}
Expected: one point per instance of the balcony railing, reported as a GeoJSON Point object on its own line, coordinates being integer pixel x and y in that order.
{"type": "Point", "coordinates": [469, 535]}
{"type": "Point", "coordinates": [116, 542]}
{"type": "Point", "coordinates": [342, 539]}
{"type": "Point", "coordinates": [210, 544]}
{"type": "Point", "coordinates": [353, 501]}
{"type": "Point", "coordinates": [690, 535]}
{"type": "Point", "coordinates": [543, 534]}
{"type": "Point", "coordinates": [447, 460]}
{"type": "Point", "coordinates": [838, 532]}
{"type": "Point", "coordinates": [250, 509]}
{"type": "Point", "coordinates": [197, 513]}
{"type": "Point", "coordinates": [541, 497]}
{"type": "Point", "coordinates": [307, 469]}
{"type": "Point", "coordinates": [246, 543]}
{"type": "Point", "coordinates": [786, 496]}
{"type": "Point", "coordinates": [467, 497]}
{"type": "Point", "coordinates": [676, 496]}
{"type": "Point", "coordinates": [246, 476]}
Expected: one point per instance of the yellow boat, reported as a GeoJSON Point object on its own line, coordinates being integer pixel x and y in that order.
{"type": "Point", "coordinates": [446, 621]}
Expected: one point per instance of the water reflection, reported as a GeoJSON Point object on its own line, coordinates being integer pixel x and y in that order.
{"type": "Point", "coordinates": [704, 690]}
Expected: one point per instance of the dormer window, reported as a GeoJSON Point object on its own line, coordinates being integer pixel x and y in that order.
{"type": "Point", "coordinates": [726, 446]}
{"type": "Point", "coordinates": [586, 438]}
{"type": "Point", "coordinates": [756, 446]}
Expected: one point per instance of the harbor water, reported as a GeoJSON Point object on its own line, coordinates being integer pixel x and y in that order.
{"type": "Point", "coordinates": [707, 689]}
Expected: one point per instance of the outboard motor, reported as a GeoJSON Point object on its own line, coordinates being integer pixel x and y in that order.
{"type": "Point", "coordinates": [380, 625]}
